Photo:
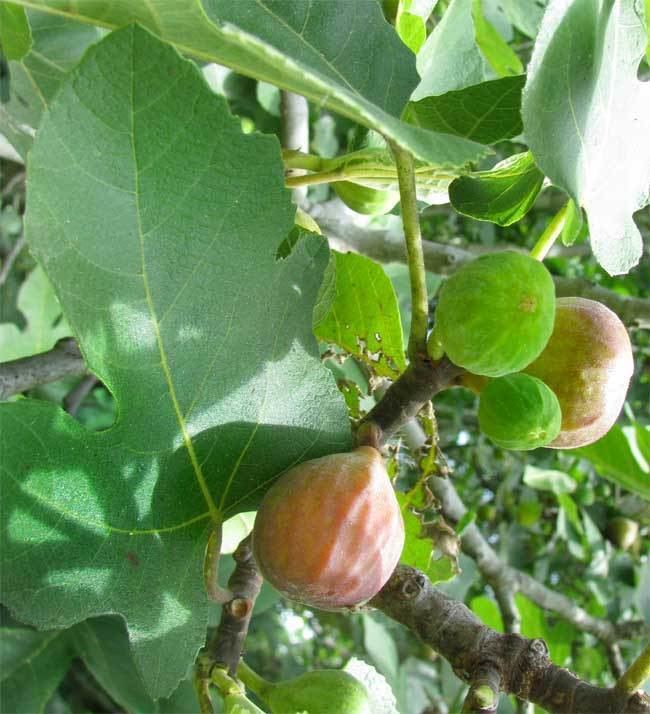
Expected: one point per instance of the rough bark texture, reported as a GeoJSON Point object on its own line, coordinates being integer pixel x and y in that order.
{"type": "Point", "coordinates": [472, 649]}
{"type": "Point", "coordinates": [405, 397]}
{"type": "Point", "coordinates": [63, 360]}
{"type": "Point", "coordinates": [227, 644]}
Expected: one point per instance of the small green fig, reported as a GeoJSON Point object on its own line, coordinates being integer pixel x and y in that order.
{"type": "Point", "coordinates": [329, 532]}
{"type": "Point", "coordinates": [588, 363]}
{"type": "Point", "coordinates": [325, 691]}
{"type": "Point", "coordinates": [366, 200]}
{"type": "Point", "coordinates": [495, 315]}
{"type": "Point", "coordinates": [622, 532]}
{"type": "Point", "coordinates": [519, 412]}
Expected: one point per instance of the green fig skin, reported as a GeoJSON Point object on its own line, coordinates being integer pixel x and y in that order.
{"type": "Point", "coordinates": [519, 412]}
{"type": "Point", "coordinates": [495, 315]}
{"type": "Point", "coordinates": [622, 532]}
{"type": "Point", "coordinates": [366, 200]}
{"type": "Point", "coordinates": [588, 363]}
{"type": "Point", "coordinates": [330, 532]}
{"type": "Point", "coordinates": [326, 691]}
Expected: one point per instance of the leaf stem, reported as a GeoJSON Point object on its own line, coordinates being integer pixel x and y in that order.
{"type": "Point", "coordinates": [211, 568]}
{"type": "Point", "coordinates": [299, 160]}
{"type": "Point", "coordinates": [637, 674]}
{"type": "Point", "coordinates": [253, 681]}
{"type": "Point", "coordinates": [201, 683]}
{"type": "Point", "coordinates": [551, 234]}
{"type": "Point", "coordinates": [417, 346]}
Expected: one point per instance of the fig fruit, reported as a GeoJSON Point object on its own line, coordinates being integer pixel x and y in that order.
{"type": "Point", "coordinates": [622, 532]}
{"type": "Point", "coordinates": [366, 200]}
{"type": "Point", "coordinates": [519, 412]}
{"type": "Point", "coordinates": [323, 691]}
{"type": "Point", "coordinates": [588, 363]}
{"type": "Point", "coordinates": [495, 314]}
{"type": "Point", "coordinates": [329, 532]}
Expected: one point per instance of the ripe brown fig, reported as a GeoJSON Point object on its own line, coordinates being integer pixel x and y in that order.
{"type": "Point", "coordinates": [588, 363]}
{"type": "Point", "coordinates": [329, 532]}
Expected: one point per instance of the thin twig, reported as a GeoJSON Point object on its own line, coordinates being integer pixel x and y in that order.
{"type": "Point", "coordinates": [637, 674]}
{"type": "Point", "coordinates": [294, 132]}
{"type": "Point", "coordinates": [388, 247]}
{"type": "Point", "coordinates": [15, 251]}
{"type": "Point", "coordinates": [19, 375]}
{"type": "Point", "coordinates": [499, 575]}
{"type": "Point", "coordinates": [226, 646]}
{"type": "Point", "coordinates": [505, 580]}
{"type": "Point", "coordinates": [74, 398]}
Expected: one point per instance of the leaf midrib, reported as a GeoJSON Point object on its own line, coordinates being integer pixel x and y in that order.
{"type": "Point", "coordinates": [215, 513]}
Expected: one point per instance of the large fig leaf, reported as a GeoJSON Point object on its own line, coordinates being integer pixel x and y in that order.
{"type": "Point", "coordinates": [486, 112]}
{"type": "Point", "coordinates": [157, 222]}
{"type": "Point", "coordinates": [587, 118]}
{"type": "Point", "coordinates": [340, 54]}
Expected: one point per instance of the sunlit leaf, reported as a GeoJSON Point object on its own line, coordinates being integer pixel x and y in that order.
{"type": "Point", "coordinates": [164, 261]}
{"type": "Point", "coordinates": [322, 50]}
{"type": "Point", "coordinates": [614, 459]}
{"type": "Point", "coordinates": [502, 195]}
{"type": "Point", "coordinates": [587, 118]}
{"type": "Point", "coordinates": [15, 34]}
{"type": "Point", "coordinates": [44, 322]}
{"type": "Point", "coordinates": [548, 480]}
{"type": "Point", "coordinates": [486, 112]}
{"type": "Point", "coordinates": [358, 312]}
{"type": "Point", "coordinates": [501, 58]}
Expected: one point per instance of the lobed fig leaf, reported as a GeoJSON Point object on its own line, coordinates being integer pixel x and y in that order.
{"type": "Point", "coordinates": [320, 692]}
{"type": "Point", "coordinates": [519, 412]}
{"type": "Point", "coordinates": [495, 314]}
{"type": "Point", "coordinates": [588, 363]}
{"type": "Point", "coordinates": [329, 532]}
{"type": "Point", "coordinates": [366, 200]}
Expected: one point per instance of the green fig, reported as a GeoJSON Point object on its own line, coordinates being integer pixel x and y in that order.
{"type": "Point", "coordinates": [622, 532]}
{"type": "Point", "coordinates": [495, 315]}
{"type": "Point", "coordinates": [366, 200]}
{"type": "Point", "coordinates": [519, 412]}
{"type": "Point", "coordinates": [326, 691]}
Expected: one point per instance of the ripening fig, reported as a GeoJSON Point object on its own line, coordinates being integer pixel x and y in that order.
{"type": "Point", "coordinates": [519, 412]}
{"type": "Point", "coordinates": [588, 363]}
{"type": "Point", "coordinates": [495, 314]}
{"type": "Point", "coordinates": [323, 691]}
{"type": "Point", "coordinates": [366, 200]}
{"type": "Point", "coordinates": [329, 532]}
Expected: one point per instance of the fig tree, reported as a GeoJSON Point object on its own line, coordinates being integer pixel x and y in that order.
{"type": "Point", "coordinates": [366, 200]}
{"type": "Point", "coordinates": [329, 532]}
{"type": "Point", "coordinates": [588, 363]}
{"type": "Point", "coordinates": [519, 412]}
{"type": "Point", "coordinates": [495, 314]}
